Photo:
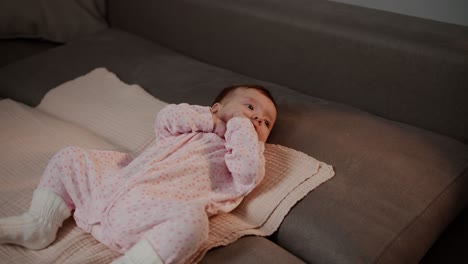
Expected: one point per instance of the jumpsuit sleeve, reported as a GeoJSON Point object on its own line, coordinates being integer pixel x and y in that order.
{"type": "Point", "coordinates": [244, 157]}
{"type": "Point", "coordinates": [174, 120]}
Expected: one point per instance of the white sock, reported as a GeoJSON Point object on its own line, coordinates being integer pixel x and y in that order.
{"type": "Point", "coordinates": [37, 228]}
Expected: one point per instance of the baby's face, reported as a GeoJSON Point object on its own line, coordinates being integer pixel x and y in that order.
{"type": "Point", "coordinates": [251, 104]}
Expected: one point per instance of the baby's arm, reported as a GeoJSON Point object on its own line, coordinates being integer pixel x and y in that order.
{"type": "Point", "coordinates": [183, 118]}
{"type": "Point", "coordinates": [245, 158]}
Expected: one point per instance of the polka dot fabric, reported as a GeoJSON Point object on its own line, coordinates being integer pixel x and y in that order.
{"type": "Point", "coordinates": [166, 194]}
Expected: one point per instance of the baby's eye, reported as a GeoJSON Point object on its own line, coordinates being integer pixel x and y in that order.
{"type": "Point", "coordinates": [250, 106]}
{"type": "Point", "coordinates": [267, 123]}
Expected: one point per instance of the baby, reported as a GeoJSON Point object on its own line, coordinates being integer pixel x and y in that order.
{"type": "Point", "coordinates": [155, 208]}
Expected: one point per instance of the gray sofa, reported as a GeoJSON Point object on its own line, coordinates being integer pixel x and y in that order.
{"type": "Point", "coordinates": [380, 96]}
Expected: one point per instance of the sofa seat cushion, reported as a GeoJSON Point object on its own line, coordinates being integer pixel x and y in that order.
{"type": "Point", "coordinates": [395, 190]}
{"type": "Point", "coordinates": [250, 250]}
{"type": "Point", "coordinates": [396, 186]}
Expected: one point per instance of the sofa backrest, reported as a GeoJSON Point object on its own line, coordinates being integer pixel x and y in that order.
{"type": "Point", "coordinates": [399, 67]}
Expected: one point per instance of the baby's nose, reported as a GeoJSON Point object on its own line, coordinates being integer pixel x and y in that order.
{"type": "Point", "coordinates": [256, 120]}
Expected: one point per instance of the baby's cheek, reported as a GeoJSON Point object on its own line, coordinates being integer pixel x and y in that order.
{"type": "Point", "coordinates": [263, 136]}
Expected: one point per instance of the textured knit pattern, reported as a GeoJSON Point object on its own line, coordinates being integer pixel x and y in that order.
{"type": "Point", "coordinates": [123, 121]}
{"type": "Point", "coordinates": [167, 193]}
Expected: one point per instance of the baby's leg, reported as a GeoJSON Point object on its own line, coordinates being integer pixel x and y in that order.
{"type": "Point", "coordinates": [37, 228]}
{"type": "Point", "coordinates": [64, 185]}
{"type": "Point", "coordinates": [83, 176]}
{"type": "Point", "coordinates": [178, 238]}
{"type": "Point", "coordinates": [50, 206]}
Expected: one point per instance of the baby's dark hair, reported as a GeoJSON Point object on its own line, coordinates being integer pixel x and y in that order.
{"type": "Point", "coordinates": [226, 91]}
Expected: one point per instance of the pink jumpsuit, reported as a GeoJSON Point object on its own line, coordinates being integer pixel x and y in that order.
{"type": "Point", "coordinates": [166, 194]}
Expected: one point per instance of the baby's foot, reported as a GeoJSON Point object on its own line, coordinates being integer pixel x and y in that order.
{"type": "Point", "coordinates": [27, 230]}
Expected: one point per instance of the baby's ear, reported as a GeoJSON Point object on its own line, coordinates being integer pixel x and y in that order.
{"type": "Point", "coordinates": [216, 107]}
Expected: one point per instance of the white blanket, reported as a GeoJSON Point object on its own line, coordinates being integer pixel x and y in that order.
{"type": "Point", "coordinates": [98, 111]}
